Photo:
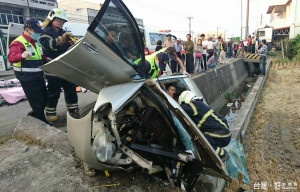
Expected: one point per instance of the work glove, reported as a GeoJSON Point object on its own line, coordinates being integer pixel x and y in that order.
{"type": "Point", "coordinates": [26, 55]}
{"type": "Point", "coordinates": [63, 39]}
{"type": "Point", "coordinates": [186, 73]}
{"type": "Point", "coordinates": [191, 156]}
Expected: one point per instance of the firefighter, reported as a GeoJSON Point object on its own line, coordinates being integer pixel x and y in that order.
{"type": "Point", "coordinates": [211, 124]}
{"type": "Point", "coordinates": [55, 41]}
{"type": "Point", "coordinates": [25, 54]}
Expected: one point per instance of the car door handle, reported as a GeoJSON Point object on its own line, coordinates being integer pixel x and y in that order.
{"type": "Point", "coordinates": [89, 47]}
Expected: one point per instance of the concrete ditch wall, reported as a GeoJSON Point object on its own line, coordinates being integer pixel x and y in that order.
{"type": "Point", "coordinates": [223, 79]}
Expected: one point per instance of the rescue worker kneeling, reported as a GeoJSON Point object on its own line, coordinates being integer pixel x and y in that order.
{"type": "Point", "coordinates": [211, 124]}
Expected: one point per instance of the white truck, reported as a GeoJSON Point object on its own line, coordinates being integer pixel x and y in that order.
{"type": "Point", "coordinates": [151, 39]}
{"type": "Point", "coordinates": [266, 33]}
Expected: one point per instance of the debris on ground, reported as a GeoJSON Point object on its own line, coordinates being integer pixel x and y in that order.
{"type": "Point", "coordinates": [11, 91]}
{"type": "Point", "coordinates": [49, 164]}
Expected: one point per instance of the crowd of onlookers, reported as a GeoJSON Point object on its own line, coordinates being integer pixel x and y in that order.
{"type": "Point", "coordinates": [207, 53]}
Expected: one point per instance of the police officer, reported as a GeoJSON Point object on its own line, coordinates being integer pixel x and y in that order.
{"type": "Point", "coordinates": [211, 124]}
{"type": "Point", "coordinates": [55, 41]}
{"type": "Point", "coordinates": [25, 55]}
{"type": "Point", "coordinates": [155, 63]}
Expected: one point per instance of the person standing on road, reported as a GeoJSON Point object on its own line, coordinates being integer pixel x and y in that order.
{"type": "Point", "coordinates": [217, 47]}
{"type": "Point", "coordinates": [198, 57]}
{"type": "Point", "coordinates": [170, 43]}
{"type": "Point", "coordinates": [158, 45]}
{"type": "Point", "coordinates": [229, 48]}
{"type": "Point", "coordinates": [263, 57]}
{"type": "Point", "coordinates": [210, 48]}
{"type": "Point", "coordinates": [257, 44]}
{"type": "Point", "coordinates": [241, 48]}
{"type": "Point", "coordinates": [26, 56]}
{"type": "Point", "coordinates": [189, 52]}
{"type": "Point", "coordinates": [249, 44]}
{"type": "Point", "coordinates": [253, 42]}
{"type": "Point", "coordinates": [245, 45]}
{"type": "Point", "coordinates": [222, 51]}
{"type": "Point", "coordinates": [204, 52]}
{"type": "Point", "coordinates": [55, 41]}
{"type": "Point", "coordinates": [213, 126]}
{"type": "Point", "coordinates": [235, 48]}
{"type": "Point", "coordinates": [178, 48]}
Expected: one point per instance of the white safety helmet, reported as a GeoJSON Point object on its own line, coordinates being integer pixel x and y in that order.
{"type": "Point", "coordinates": [187, 97]}
{"type": "Point", "coordinates": [56, 12]}
{"type": "Point", "coordinates": [59, 13]}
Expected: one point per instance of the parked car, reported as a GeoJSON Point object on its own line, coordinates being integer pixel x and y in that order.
{"type": "Point", "coordinates": [134, 122]}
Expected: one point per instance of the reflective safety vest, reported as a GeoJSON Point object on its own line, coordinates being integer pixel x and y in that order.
{"type": "Point", "coordinates": [28, 69]}
{"type": "Point", "coordinates": [154, 70]}
{"type": "Point", "coordinates": [209, 122]}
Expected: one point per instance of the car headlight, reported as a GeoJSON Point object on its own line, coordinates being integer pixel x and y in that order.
{"type": "Point", "coordinates": [103, 143]}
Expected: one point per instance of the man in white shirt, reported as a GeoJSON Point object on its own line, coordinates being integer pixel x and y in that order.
{"type": "Point", "coordinates": [210, 48]}
{"type": "Point", "coordinates": [204, 51]}
{"type": "Point", "coordinates": [245, 44]}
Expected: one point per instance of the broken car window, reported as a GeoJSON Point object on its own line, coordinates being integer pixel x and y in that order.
{"type": "Point", "coordinates": [116, 29]}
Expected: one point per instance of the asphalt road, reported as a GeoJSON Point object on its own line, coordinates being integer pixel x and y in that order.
{"type": "Point", "coordinates": [11, 114]}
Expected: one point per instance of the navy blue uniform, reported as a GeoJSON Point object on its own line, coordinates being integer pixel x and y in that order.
{"type": "Point", "coordinates": [52, 50]}
{"type": "Point", "coordinates": [211, 124]}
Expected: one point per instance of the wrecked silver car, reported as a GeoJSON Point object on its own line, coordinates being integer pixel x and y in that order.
{"type": "Point", "coordinates": [134, 122]}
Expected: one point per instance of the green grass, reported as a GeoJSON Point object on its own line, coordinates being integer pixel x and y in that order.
{"type": "Point", "coordinates": [5, 139]}
{"type": "Point", "coordinates": [229, 96]}
{"type": "Point", "coordinates": [281, 60]}
{"type": "Point", "coordinates": [272, 53]}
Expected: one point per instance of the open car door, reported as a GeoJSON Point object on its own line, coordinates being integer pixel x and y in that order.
{"type": "Point", "coordinates": [105, 55]}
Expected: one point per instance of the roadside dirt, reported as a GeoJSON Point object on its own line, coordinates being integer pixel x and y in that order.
{"type": "Point", "coordinates": [272, 140]}
{"type": "Point", "coordinates": [45, 169]}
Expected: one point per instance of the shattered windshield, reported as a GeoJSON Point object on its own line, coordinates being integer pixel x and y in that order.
{"type": "Point", "coordinates": [116, 29]}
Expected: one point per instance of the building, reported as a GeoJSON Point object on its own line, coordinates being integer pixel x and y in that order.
{"type": "Point", "coordinates": [79, 11]}
{"type": "Point", "coordinates": [17, 11]}
{"type": "Point", "coordinates": [284, 18]}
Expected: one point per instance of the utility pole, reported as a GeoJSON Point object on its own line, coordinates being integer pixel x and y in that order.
{"type": "Point", "coordinates": [260, 19]}
{"type": "Point", "coordinates": [28, 10]}
{"type": "Point", "coordinates": [247, 20]}
{"type": "Point", "coordinates": [241, 19]}
{"type": "Point", "coordinates": [190, 24]}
